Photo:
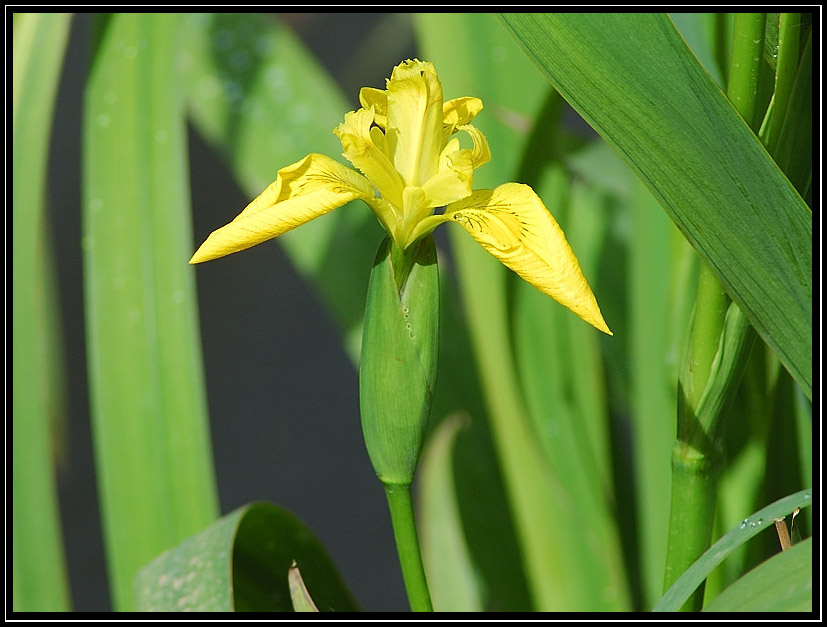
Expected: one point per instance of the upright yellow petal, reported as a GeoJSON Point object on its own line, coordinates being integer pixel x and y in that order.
{"type": "Point", "coordinates": [305, 190]}
{"type": "Point", "coordinates": [512, 224]}
{"type": "Point", "coordinates": [453, 179]}
{"type": "Point", "coordinates": [366, 148]}
{"type": "Point", "coordinates": [414, 130]}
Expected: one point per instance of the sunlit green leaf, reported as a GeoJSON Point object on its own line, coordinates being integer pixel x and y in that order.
{"type": "Point", "coordinates": [148, 403]}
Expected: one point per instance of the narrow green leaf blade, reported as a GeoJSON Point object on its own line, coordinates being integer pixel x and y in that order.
{"type": "Point", "coordinates": [240, 563]}
{"type": "Point", "coordinates": [634, 80]}
{"type": "Point", "coordinates": [680, 591]}
{"type": "Point", "coordinates": [147, 393]}
{"type": "Point", "coordinates": [38, 567]}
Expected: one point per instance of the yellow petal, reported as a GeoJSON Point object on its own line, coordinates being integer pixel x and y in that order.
{"type": "Point", "coordinates": [453, 179]}
{"type": "Point", "coordinates": [481, 151]}
{"type": "Point", "coordinates": [512, 224]}
{"type": "Point", "coordinates": [378, 99]}
{"type": "Point", "coordinates": [305, 190]}
{"type": "Point", "coordinates": [414, 130]}
{"type": "Point", "coordinates": [366, 148]}
{"type": "Point", "coordinates": [459, 111]}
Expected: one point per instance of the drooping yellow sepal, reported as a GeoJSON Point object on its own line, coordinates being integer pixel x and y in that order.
{"type": "Point", "coordinates": [513, 224]}
{"type": "Point", "coordinates": [305, 190]}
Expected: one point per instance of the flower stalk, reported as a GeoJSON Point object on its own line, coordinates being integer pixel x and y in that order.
{"type": "Point", "coordinates": [401, 506]}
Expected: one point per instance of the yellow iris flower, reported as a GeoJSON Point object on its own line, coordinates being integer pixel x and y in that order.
{"type": "Point", "coordinates": [404, 142]}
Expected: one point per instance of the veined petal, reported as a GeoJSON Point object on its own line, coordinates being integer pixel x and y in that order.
{"type": "Point", "coordinates": [305, 190]}
{"type": "Point", "coordinates": [512, 224]}
{"type": "Point", "coordinates": [356, 135]}
{"type": "Point", "coordinates": [414, 129]}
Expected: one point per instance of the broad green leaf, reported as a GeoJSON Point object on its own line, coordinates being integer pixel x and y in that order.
{"type": "Point", "coordinates": [38, 566]}
{"type": "Point", "coordinates": [240, 563]}
{"type": "Point", "coordinates": [148, 403]}
{"type": "Point", "coordinates": [702, 34]}
{"type": "Point", "coordinates": [634, 80]}
{"type": "Point", "coordinates": [685, 585]}
{"type": "Point", "coordinates": [784, 583]}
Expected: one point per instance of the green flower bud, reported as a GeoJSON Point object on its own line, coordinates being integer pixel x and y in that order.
{"type": "Point", "coordinates": [400, 343]}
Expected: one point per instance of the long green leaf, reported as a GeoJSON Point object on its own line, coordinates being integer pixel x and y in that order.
{"type": "Point", "coordinates": [633, 79]}
{"type": "Point", "coordinates": [38, 568]}
{"type": "Point", "coordinates": [147, 394]}
{"type": "Point", "coordinates": [729, 542]}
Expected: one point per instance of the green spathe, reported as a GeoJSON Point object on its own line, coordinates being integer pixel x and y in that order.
{"type": "Point", "coordinates": [399, 355]}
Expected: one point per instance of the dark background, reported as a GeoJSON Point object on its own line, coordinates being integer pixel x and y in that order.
{"type": "Point", "coordinates": [283, 396]}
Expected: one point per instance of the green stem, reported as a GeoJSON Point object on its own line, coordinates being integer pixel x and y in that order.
{"type": "Point", "coordinates": [789, 30]}
{"type": "Point", "coordinates": [710, 311]}
{"type": "Point", "coordinates": [694, 459]}
{"type": "Point", "coordinates": [400, 503]}
{"type": "Point", "coordinates": [745, 64]}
